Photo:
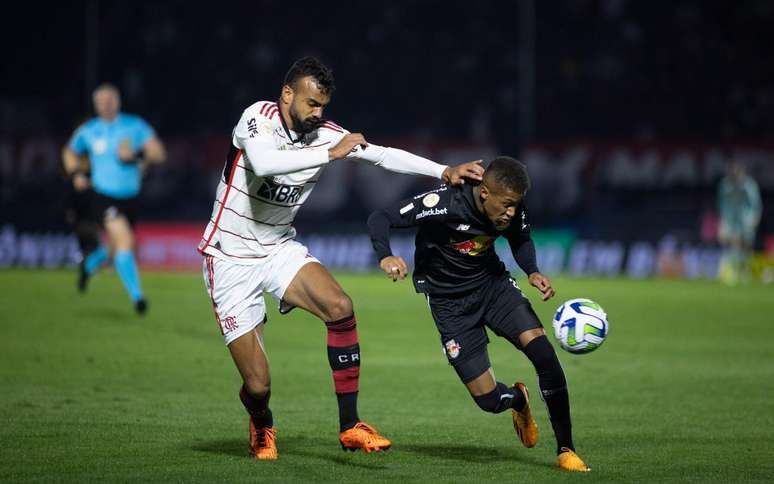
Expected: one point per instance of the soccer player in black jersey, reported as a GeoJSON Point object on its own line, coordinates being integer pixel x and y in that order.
{"type": "Point", "coordinates": [468, 289]}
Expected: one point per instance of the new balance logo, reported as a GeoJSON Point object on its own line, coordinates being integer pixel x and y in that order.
{"type": "Point", "coordinates": [275, 192]}
{"type": "Point", "coordinates": [463, 227]}
{"type": "Point", "coordinates": [432, 211]}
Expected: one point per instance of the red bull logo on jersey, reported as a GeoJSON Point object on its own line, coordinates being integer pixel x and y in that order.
{"type": "Point", "coordinates": [475, 246]}
{"type": "Point", "coordinates": [452, 348]}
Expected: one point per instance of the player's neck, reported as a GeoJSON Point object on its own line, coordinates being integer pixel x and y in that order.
{"type": "Point", "coordinates": [477, 199]}
{"type": "Point", "coordinates": [285, 113]}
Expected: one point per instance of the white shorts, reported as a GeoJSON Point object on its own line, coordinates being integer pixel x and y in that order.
{"type": "Point", "coordinates": [237, 290]}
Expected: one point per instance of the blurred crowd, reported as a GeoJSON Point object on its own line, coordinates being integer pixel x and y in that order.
{"type": "Point", "coordinates": [687, 69]}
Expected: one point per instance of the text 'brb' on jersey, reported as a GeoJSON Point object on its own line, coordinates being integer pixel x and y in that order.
{"type": "Point", "coordinates": [252, 214]}
{"type": "Point", "coordinates": [455, 242]}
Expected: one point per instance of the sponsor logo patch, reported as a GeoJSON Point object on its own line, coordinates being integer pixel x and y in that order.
{"type": "Point", "coordinates": [432, 211]}
{"type": "Point", "coordinates": [431, 200]}
{"type": "Point", "coordinates": [475, 246]}
{"type": "Point", "coordinates": [279, 193]}
{"type": "Point", "coordinates": [452, 348]}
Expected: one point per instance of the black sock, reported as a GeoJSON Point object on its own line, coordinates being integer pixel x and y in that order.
{"type": "Point", "coordinates": [257, 407]}
{"type": "Point", "coordinates": [347, 410]}
{"type": "Point", "coordinates": [553, 388]}
{"type": "Point", "coordinates": [500, 399]}
{"type": "Point", "coordinates": [344, 359]}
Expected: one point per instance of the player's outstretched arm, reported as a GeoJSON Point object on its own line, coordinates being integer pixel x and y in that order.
{"type": "Point", "coordinates": [401, 161]}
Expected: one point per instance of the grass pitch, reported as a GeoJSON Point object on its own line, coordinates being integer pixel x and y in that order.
{"type": "Point", "coordinates": [683, 390]}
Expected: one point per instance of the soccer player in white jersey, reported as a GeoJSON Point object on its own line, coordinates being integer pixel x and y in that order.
{"type": "Point", "coordinates": [277, 155]}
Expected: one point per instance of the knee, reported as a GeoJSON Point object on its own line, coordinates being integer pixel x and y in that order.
{"type": "Point", "coordinates": [257, 386]}
{"type": "Point", "coordinates": [541, 353]}
{"type": "Point", "coordinates": [339, 307]}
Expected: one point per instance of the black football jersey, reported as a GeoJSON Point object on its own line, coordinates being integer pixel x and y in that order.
{"type": "Point", "coordinates": [455, 241]}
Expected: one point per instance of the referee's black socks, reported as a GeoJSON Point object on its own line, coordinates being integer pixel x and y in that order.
{"type": "Point", "coordinates": [553, 388]}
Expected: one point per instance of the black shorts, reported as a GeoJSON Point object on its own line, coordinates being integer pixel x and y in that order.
{"type": "Point", "coordinates": [104, 208]}
{"type": "Point", "coordinates": [461, 321]}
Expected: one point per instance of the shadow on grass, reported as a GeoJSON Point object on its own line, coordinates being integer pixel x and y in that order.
{"type": "Point", "coordinates": [234, 447]}
{"type": "Point", "coordinates": [322, 449]}
{"type": "Point", "coordinates": [104, 313]}
{"type": "Point", "coordinates": [474, 454]}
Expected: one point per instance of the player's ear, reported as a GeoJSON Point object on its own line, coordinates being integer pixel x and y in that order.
{"type": "Point", "coordinates": [287, 94]}
{"type": "Point", "coordinates": [483, 192]}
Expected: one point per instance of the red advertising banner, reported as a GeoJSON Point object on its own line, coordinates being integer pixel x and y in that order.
{"type": "Point", "coordinates": [168, 246]}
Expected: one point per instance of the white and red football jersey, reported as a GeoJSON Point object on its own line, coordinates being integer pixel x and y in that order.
{"type": "Point", "coordinates": [270, 172]}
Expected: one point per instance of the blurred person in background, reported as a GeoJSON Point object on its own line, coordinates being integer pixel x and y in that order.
{"type": "Point", "coordinates": [740, 208]}
{"type": "Point", "coordinates": [107, 154]}
{"type": "Point", "coordinates": [277, 153]}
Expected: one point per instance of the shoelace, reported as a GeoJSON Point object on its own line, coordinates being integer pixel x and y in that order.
{"type": "Point", "coordinates": [370, 431]}
{"type": "Point", "coordinates": [263, 441]}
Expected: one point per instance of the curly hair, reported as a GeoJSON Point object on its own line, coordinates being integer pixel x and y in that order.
{"type": "Point", "coordinates": [509, 174]}
{"type": "Point", "coordinates": [311, 66]}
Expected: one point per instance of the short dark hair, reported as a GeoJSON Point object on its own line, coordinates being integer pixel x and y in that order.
{"type": "Point", "coordinates": [311, 66]}
{"type": "Point", "coordinates": [509, 174]}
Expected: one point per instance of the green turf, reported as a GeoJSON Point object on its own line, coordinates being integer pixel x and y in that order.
{"type": "Point", "coordinates": [89, 392]}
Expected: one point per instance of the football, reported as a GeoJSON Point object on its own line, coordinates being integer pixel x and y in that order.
{"type": "Point", "coordinates": [580, 326]}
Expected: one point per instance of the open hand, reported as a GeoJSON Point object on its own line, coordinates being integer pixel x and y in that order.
{"type": "Point", "coordinates": [455, 175]}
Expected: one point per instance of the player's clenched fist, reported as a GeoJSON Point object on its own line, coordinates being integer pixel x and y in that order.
{"type": "Point", "coordinates": [395, 267]}
{"type": "Point", "coordinates": [346, 145]}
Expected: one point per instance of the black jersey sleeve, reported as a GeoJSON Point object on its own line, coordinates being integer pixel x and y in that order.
{"type": "Point", "coordinates": [428, 207]}
{"type": "Point", "coordinates": [520, 240]}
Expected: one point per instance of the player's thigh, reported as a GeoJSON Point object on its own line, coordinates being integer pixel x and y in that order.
{"type": "Point", "coordinates": [300, 280]}
{"type": "Point", "coordinates": [237, 296]}
{"type": "Point", "coordinates": [249, 356]}
{"type": "Point", "coordinates": [510, 315]}
{"type": "Point", "coordinates": [463, 339]}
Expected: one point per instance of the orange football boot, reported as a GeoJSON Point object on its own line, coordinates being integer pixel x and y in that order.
{"type": "Point", "coordinates": [363, 436]}
{"type": "Point", "coordinates": [569, 461]}
{"type": "Point", "coordinates": [523, 423]}
{"type": "Point", "coordinates": [262, 442]}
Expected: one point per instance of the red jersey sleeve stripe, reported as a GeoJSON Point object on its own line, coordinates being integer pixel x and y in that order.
{"type": "Point", "coordinates": [332, 128]}
{"type": "Point", "coordinates": [225, 197]}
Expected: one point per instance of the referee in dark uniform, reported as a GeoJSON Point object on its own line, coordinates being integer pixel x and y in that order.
{"type": "Point", "coordinates": [469, 289]}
